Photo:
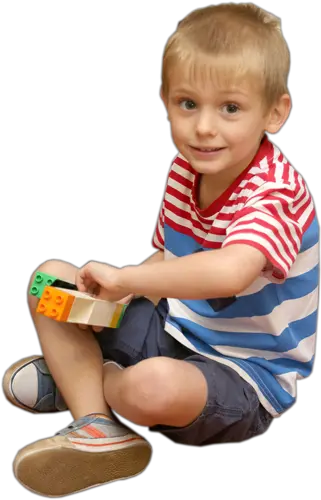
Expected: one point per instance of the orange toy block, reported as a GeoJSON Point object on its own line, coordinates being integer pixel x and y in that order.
{"type": "Point", "coordinates": [55, 303]}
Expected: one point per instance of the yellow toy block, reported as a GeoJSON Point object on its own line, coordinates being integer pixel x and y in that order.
{"type": "Point", "coordinates": [117, 315]}
{"type": "Point", "coordinates": [76, 307]}
{"type": "Point", "coordinates": [55, 303]}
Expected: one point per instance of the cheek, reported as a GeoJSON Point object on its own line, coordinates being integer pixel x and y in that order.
{"type": "Point", "coordinates": [243, 132]}
{"type": "Point", "coordinates": [179, 129]}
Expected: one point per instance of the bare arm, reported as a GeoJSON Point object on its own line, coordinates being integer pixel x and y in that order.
{"type": "Point", "coordinates": [156, 257]}
{"type": "Point", "coordinates": [215, 273]}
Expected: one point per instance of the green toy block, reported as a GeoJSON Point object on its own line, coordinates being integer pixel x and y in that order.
{"type": "Point", "coordinates": [41, 280]}
{"type": "Point", "coordinates": [121, 316]}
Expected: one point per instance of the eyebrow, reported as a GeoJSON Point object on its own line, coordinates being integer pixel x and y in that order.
{"type": "Point", "coordinates": [234, 92]}
{"type": "Point", "coordinates": [220, 92]}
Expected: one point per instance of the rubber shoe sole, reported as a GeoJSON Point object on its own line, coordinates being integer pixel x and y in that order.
{"type": "Point", "coordinates": [55, 467]}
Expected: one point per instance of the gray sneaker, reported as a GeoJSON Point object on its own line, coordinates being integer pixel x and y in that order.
{"type": "Point", "coordinates": [29, 385]}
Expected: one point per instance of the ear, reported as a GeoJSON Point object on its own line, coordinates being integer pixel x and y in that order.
{"type": "Point", "coordinates": [278, 114]}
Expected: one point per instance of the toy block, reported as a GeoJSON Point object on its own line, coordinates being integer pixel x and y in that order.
{"type": "Point", "coordinates": [40, 282]}
{"type": "Point", "coordinates": [55, 303]}
{"type": "Point", "coordinates": [118, 315]}
{"type": "Point", "coordinates": [95, 312]}
{"type": "Point", "coordinates": [58, 283]}
{"type": "Point", "coordinates": [76, 307]}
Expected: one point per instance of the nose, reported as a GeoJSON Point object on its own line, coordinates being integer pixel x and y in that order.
{"type": "Point", "coordinates": [206, 123]}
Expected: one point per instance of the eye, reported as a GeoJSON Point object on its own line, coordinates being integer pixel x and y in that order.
{"type": "Point", "coordinates": [187, 104]}
{"type": "Point", "coordinates": [231, 109]}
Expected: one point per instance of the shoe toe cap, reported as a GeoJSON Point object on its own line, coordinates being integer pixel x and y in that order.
{"type": "Point", "coordinates": [24, 385]}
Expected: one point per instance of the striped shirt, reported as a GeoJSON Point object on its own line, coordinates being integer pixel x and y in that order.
{"type": "Point", "coordinates": [266, 333]}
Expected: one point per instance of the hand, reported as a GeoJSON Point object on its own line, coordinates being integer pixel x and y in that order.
{"type": "Point", "coordinates": [101, 281]}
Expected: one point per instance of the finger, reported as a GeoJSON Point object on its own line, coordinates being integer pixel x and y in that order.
{"type": "Point", "coordinates": [127, 299]}
{"type": "Point", "coordinates": [83, 280]}
{"type": "Point", "coordinates": [94, 290]}
{"type": "Point", "coordinates": [82, 327]}
{"type": "Point", "coordinates": [97, 329]}
{"type": "Point", "coordinates": [80, 282]}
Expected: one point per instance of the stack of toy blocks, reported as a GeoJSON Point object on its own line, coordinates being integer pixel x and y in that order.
{"type": "Point", "coordinates": [61, 301]}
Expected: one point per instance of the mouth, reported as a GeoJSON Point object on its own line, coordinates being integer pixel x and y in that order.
{"type": "Point", "coordinates": [206, 150]}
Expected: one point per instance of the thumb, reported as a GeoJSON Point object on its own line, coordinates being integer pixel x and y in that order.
{"type": "Point", "coordinates": [97, 329]}
{"type": "Point", "coordinates": [126, 299]}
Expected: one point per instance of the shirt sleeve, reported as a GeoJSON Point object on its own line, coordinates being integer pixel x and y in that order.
{"type": "Point", "coordinates": [272, 221]}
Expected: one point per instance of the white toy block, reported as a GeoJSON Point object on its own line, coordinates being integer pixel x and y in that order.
{"type": "Point", "coordinates": [76, 307]}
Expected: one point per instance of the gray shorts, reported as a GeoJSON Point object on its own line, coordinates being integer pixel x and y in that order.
{"type": "Point", "coordinates": [232, 412]}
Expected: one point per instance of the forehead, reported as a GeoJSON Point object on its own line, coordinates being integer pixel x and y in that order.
{"type": "Point", "coordinates": [205, 74]}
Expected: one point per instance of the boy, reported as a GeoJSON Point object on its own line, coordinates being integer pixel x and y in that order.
{"type": "Point", "coordinates": [237, 269]}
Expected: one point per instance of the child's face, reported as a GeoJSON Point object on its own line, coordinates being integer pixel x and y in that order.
{"type": "Point", "coordinates": [229, 122]}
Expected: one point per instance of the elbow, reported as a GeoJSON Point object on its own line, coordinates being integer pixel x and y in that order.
{"type": "Point", "coordinates": [241, 266]}
{"type": "Point", "coordinates": [236, 282]}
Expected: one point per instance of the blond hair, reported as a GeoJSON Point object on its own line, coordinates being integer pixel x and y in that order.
{"type": "Point", "coordinates": [245, 40]}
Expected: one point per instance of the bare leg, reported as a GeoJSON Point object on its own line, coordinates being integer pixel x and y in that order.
{"type": "Point", "coordinates": [73, 355]}
{"type": "Point", "coordinates": [156, 391]}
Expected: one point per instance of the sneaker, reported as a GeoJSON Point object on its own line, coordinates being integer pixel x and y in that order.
{"type": "Point", "coordinates": [28, 384]}
{"type": "Point", "coordinates": [91, 451]}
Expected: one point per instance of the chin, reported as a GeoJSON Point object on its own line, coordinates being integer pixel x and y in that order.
{"type": "Point", "coordinates": [207, 171]}
{"type": "Point", "coordinates": [206, 167]}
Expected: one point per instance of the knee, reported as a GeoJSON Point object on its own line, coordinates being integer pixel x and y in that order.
{"type": "Point", "coordinates": [148, 390]}
{"type": "Point", "coordinates": [52, 267]}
